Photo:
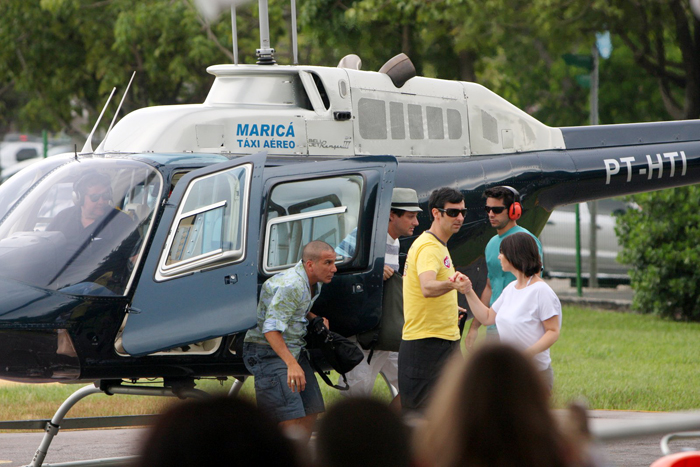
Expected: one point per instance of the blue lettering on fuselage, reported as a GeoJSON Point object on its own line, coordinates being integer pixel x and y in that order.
{"type": "Point", "coordinates": [278, 135]}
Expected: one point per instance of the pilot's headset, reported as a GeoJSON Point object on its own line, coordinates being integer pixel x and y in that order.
{"type": "Point", "coordinates": [88, 179]}
{"type": "Point", "coordinates": [515, 210]}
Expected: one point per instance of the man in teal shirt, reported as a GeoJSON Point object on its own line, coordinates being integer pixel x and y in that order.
{"type": "Point", "coordinates": [504, 209]}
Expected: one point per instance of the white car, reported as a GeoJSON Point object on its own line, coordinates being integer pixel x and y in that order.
{"type": "Point", "coordinates": [13, 152]}
{"type": "Point", "coordinates": [559, 242]}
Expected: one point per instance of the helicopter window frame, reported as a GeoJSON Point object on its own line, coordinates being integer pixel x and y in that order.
{"type": "Point", "coordinates": [343, 208]}
{"type": "Point", "coordinates": [233, 216]}
{"type": "Point", "coordinates": [312, 216]}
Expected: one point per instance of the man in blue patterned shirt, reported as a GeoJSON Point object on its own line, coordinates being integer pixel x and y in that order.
{"type": "Point", "coordinates": [285, 384]}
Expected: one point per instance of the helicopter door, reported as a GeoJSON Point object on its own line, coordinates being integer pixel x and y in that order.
{"type": "Point", "coordinates": [199, 279]}
{"type": "Point", "coordinates": [346, 204]}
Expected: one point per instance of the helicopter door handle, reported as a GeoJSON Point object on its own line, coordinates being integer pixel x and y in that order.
{"type": "Point", "coordinates": [133, 311]}
{"type": "Point", "coordinates": [230, 279]}
{"type": "Point", "coordinates": [357, 288]}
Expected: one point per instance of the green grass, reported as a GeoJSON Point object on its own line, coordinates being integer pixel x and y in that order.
{"type": "Point", "coordinates": [613, 360]}
{"type": "Point", "coordinates": [627, 361]}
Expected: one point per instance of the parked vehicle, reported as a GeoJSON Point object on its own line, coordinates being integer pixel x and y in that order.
{"type": "Point", "coordinates": [14, 168]}
{"type": "Point", "coordinates": [559, 242]}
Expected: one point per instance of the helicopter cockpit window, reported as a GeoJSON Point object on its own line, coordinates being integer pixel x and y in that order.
{"type": "Point", "coordinates": [325, 209]}
{"type": "Point", "coordinates": [210, 224]}
{"type": "Point", "coordinates": [20, 183]}
{"type": "Point", "coordinates": [80, 230]}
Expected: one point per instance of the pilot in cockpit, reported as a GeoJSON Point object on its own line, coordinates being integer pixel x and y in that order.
{"type": "Point", "coordinates": [101, 241]}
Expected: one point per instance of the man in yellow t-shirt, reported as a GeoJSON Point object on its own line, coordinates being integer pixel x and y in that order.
{"type": "Point", "coordinates": [431, 330]}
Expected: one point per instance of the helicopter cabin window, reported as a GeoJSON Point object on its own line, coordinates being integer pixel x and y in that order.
{"type": "Point", "coordinates": [372, 118]}
{"type": "Point", "coordinates": [298, 212]}
{"type": "Point", "coordinates": [210, 223]}
{"type": "Point", "coordinates": [80, 229]}
{"type": "Point", "coordinates": [415, 121]}
{"type": "Point", "coordinates": [454, 124]}
{"type": "Point", "coordinates": [398, 127]}
{"type": "Point", "coordinates": [436, 127]}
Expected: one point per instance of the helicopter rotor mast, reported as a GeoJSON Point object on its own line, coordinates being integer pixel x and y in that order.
{"type": "Point", "coordinates": [265, 54]}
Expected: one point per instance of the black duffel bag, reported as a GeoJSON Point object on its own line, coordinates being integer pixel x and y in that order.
{"type": "Point", "coordinates": [328, 348]}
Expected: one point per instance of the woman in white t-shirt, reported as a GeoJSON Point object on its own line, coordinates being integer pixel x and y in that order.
{"type": "Point", "coordinates": [528, 312]}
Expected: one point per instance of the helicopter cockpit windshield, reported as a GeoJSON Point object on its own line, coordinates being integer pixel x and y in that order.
{"type": "Point", "coordinates": [81, 228]}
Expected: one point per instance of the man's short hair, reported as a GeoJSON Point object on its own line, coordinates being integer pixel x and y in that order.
{"type": "Point", "coordinates": [520, 249]}
{"type": "Point", "coordinates": [312, 251]}
{"type": "Point", "coordinates": [441, 196]}
{"type": "Point", "coordinates": [398, 212]}
{"type": "Point", "coordinates": [502, 193]}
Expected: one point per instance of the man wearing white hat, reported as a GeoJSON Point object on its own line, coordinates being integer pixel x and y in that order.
{"type": "Point", "coordinates": [402, 220]}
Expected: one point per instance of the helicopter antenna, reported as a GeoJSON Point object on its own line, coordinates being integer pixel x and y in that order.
{"type": "Point", "coordinates": [266, 54]}
{"type": "Point", "coordinates": [234, 34]}
{"type": "Point", "coordinates": [295, 54]}
{"type": "Point", "coordinates": [101, 146]}
{"type": "Point", "coordinates": [88, 144]}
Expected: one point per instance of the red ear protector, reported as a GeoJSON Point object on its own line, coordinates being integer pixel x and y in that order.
{"type": "Point", "coordinates": [516, 209]}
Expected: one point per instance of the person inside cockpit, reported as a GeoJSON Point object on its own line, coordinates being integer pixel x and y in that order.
{"type": "Point", "coordinates": [101, 241]}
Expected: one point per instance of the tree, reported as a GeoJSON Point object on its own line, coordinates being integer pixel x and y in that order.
{"type": "Point", "coordinates": [59, 58]}
{"type": "Point", "coordinates": [659, 242]}
{"type": "Point", "coordinates": [664, 37]}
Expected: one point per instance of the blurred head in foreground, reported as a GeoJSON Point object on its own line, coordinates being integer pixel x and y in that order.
{"type": "Point", "coordinates": [492, 410]}
{"type": "Point", "coordinates": [362, 432]}
{"type": "Point", "coordinates": [213, 431]}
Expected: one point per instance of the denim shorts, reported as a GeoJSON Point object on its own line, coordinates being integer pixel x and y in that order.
{"type": "Point", "coordinates": [271, 390]}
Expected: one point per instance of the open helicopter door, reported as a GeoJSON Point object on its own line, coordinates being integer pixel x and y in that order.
{"type": "Point", "coordinates": [200, 277]}
{"type": "Point", "coordinates": [345, 203]}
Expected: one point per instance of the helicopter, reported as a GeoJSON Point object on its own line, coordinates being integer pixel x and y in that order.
{"type": "Point", "coordinates": [224, 194]}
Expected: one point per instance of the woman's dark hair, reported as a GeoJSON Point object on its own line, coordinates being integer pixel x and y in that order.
{"type": "Point", "coordinates": [493, 411]}
{"type": "Point", "coordinates": [520, 249]}
{"type": "Point", "coordinates": [213, 431]}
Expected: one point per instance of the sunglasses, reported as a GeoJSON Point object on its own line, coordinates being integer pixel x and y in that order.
{"type": "Point", "coordinates": [495, 209]}
{"type": "Point", "coordinates": [454, 212]}
{"type": "Point", "coordinates": [107, 196]}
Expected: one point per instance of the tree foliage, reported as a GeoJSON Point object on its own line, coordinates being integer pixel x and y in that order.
{"type": "Point", "coordinates": [61, 58]}
{"type": "Point", "coordinates": [659, 242]}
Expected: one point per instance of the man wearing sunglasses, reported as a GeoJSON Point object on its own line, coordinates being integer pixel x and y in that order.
{"type": "Point", "coordinates": [101, 241]}
{"type": "Point", "coordinates": [431, 331]}
{"type": "Point", "coordinates": [499, 201]}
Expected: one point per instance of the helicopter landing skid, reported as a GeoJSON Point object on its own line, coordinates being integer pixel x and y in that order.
{"type": "Point", "coordinates": [181, 389]}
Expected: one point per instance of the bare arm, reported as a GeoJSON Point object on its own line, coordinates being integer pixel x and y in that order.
{"type": "Point", "coordinates": [294, 371]}
{"type": "Point", "coordinates": [481, 312]}
{"type": "Point", "coordinates": [551, 335]}
{"type": "Point", "coordinates": [431, 287]}
{"type": "Point", "coordinates": [485, 299]}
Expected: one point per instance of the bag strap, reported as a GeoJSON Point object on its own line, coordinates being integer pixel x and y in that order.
{"type": "Point", "coordinates": [325, 377]}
